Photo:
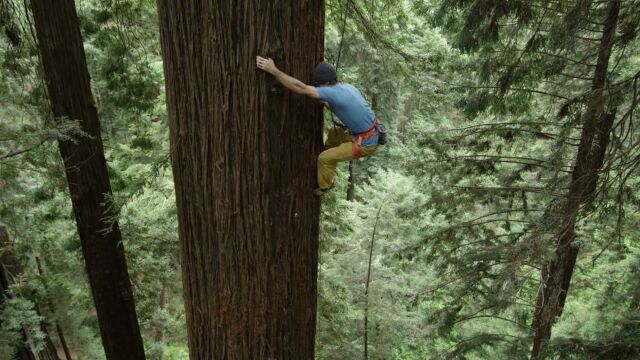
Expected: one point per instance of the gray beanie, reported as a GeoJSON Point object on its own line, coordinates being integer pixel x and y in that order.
{"type": "Point", "coordinates": [324, 73]}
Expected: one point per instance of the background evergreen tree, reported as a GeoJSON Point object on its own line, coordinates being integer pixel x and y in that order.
{"type": "Point", "coordinates": [67, 81]}
{"type": "Point", "coordinates": [544, 75]}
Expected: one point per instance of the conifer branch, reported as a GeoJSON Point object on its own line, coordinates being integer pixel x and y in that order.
{"type": "Point", "coordinates": [512, 160]}
{"type": "Point", "coordinates": [576, 77]}
{"type": "Point", "coordinates": [532, 91]}
{"type": "Point", "coordinates": [542, 123]}
{"type": "Point", "coordinates": [489, 336]}
{"type": "Point", "coordinates": [524, 326]}
{"type": "Point", "coordinates": [530, 189]}
{"type": "Point", "coordinates": [376, 38]}
{"type": "Point", "coordinates": [20, 152]}
{"type": "Point", "coordinates": [541, 134]}
{"type": "Point", "coordinates": [559, 11]}
{"type": "Point", "coordinates": [545, 53]}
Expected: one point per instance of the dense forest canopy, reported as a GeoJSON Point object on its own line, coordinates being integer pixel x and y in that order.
{"type": "Point", "coordinates": [499, 222]}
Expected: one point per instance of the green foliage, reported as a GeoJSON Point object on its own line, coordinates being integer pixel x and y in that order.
{"type": "Point", "coordinates": [19, 316]}
{"type": "Point", "coordinates": [484, 101]}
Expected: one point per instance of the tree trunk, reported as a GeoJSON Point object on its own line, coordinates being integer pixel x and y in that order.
{"type": "Point", "coordinates": [10, 269]}
{"type": "Point", "coordinates": [67, 79]}
{"type": "Point", "coordinates": [244, 154]}
{"type": "Point", "coordinates": [63, 341]}
{"type": "Point", "coordinates": [635, 300]}
{"type": "Point", "coordinates": [556, 274]}
{"type": "Point", "coordinates": [158, 333]}
{"type": "Point", "coordinates": [402, 128]}
{"type": "Point", "coordinates": [351, 189]}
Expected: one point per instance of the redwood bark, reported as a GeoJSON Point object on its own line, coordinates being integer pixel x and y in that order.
{"type": "Point", "coordinates": [556, 274]}
{"type": "Point", "coordinates": [67, 79]}
{"type": "Point", "coordinates": [244, 155]}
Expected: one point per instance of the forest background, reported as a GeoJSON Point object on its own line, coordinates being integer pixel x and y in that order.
{"type": "Point", "coordinates": [486, 102]}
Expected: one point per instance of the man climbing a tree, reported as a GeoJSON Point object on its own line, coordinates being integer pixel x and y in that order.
{"type": "Point", "coordinates": [362, 132]}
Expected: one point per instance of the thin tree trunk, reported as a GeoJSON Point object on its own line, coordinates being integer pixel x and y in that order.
{"type": "Point", "coordinates": [244, 154]}
{"type": "Point", "coordinates": [351, 189]}
{"type": "Point", "coordinates": [631, 326]}
{"type": "Point", "coordinates": [634, 306]}
{"type": "Point", "coordinates": [164, 297]}
{"type": "Point", "coordinates": [10, 269]}
{"type": "Point", "coordinates": [366, 286]}
{"type": "Point", "coordinates": [67, 79]}
{"type": "Point", "coordinates": [556, 274]}
{"type": "Point", "coordinates": [635, 300]}
{"type": "Point", "coordinates": [402, 128]}
{"type": "Point", "coordinates": [63, 341]}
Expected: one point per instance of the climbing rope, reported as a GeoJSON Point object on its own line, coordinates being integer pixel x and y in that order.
{"type": "Point", "coordinates": [337, 64]}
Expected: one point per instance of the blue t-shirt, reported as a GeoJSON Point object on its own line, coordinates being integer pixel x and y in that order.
{"type": "Point", "coordinates": [348, 104]}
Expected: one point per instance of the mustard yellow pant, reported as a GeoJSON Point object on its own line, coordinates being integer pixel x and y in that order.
{"type": "Point", "coordinates": [338, 148]}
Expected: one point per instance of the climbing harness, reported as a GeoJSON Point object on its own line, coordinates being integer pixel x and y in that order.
{"type": "Point", "coordinates": [376, 129]}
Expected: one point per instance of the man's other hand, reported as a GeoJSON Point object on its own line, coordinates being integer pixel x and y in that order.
{"type": "Point", "coordinates": [266, 64]}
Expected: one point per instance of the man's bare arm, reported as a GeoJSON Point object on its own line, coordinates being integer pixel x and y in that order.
{"type": "Point", "coordinates": [287, 81]}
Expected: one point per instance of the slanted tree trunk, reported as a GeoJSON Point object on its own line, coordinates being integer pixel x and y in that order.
{"type": "Point", "coordinates": [9, 270]}
{"type": "Point", "coordinates": [244, 154]}
{"type": "Point", "coordinates": [67, 80]}
{"type": "Point", "coordinates": [556, 274]}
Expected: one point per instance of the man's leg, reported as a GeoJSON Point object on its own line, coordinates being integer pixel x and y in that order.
{"type": "Point", "coordinates": [337, 136]}
{"type": "Point", "coordinates": [328, 160]}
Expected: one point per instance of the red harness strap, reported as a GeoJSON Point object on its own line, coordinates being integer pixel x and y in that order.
{"type": "Point", "coordinates": [360, 137]}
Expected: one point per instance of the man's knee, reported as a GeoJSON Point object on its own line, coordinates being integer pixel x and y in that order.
{"type": "Point", "coordinates": [323, 158]}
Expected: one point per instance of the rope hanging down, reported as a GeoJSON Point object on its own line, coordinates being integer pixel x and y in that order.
{"type": "Point", "coordinates": [337, 64]}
